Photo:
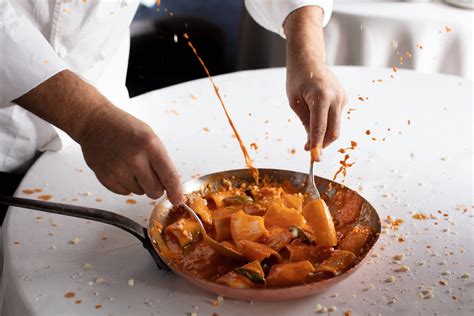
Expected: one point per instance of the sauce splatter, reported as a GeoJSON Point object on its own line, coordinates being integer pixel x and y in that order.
{"type": "Point", "coordinates": [420, 216]}
{"type": "Point", "coordinates": [69, 294]}
{"type": "Point", "coordinates": [344, 164]}
{"type": "Point", "coordinates": [78, 302]}
{"type": "Point", "coordinates": [45, 197]}
{"type": "Point", "coordinates": [248, 161]}
{"type": "Point", "coordinates": [205, 129]}
{"type": "Point", "coordinates": [367, 132]}
{"type": "Point", "coordinates": [16, 242]}
{"type": "Point", "coordinates": [131, 201]}
{"type": "Point", "coordinates": [98, 306]}
{"type": "Point", "coordinates": [27, 191]}
{"type": "Point", "coordinates": [254, 146]}
{"type": "Point", "coordinates": [343, 168]}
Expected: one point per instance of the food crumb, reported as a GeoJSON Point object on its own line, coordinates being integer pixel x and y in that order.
{"type": "Point", "coordinates": [466, 275]}
{"type": "Point", "coordinates": [420, 216]}
{"type": "Point", "coordinates": [348, 313]}
{"type": "Point", "coordinates": [399, 257]}
{"type": "Point", "coordinates": [87, 266]}
{"type": "Point", "coordinates": [98, 306]}
{"type": "Point", "coordinates": [403, 268]}
{"type": "Point", "coordinates": [390, 279]}
{"type": "Point", "coordinates": [446, 272]}
{"type": "Point", "coordinates": [131, 282]}
{"type": "Point", "coordinates": [99, 280]}
{"type": "Point", "coordinates": [74, 241]}
{"type": "Point", "coordinates": [332, 309]}
{"type": "Point", "coordinates": [205, 129]}
{"type": "Point", "coordinates": [443, 282]}
{"type": "Point", "coordinates": [361, 98]}
{"type": "Point", "coordinates": [16, 242]}
{"type": "Point", "coordinates": [254, 146]}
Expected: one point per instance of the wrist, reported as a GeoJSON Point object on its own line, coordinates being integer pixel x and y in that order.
{"type": "Point", "coordinates": [304, 33]}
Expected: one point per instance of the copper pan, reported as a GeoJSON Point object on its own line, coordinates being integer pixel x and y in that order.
{"type": "Point", "coordinates": [368, 216]}
{"type": "Point", "coordinates": [160, 213]}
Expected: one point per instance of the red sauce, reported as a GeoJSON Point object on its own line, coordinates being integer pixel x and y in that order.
{"type": "Point", "coordinates": [45, 197]}
{"type": "Point", "coordinates": [69, 294]}
{"type": "Point", "coordinates": [344, 163]}
{"type": "Point", "coordinates": [343, 167]}
{"type": "Point", "coordinates": [248, 161]}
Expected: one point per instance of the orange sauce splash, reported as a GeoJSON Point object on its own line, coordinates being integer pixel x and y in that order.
{"type": "Point", "coordinates": [131, 201]}
{"type": "Point", "coordinates": [248, 161]}
{"type": "Point", "coordinates": [69, 294]}
{"type": "Point", "coordinates": [45, 197]}
{"type": "Point", "coordinates": [344, 163]}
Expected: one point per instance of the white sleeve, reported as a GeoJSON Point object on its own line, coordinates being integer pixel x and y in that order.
{"type": "Point", "coordinates": [271, 14]}
{"type": "Point", "coordinates": [26, 57]}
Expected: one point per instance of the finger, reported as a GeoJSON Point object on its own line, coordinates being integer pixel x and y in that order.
{"type": "Point", "coordinates": [118, 188]}
{"type": "Point", "coordinates": [167, 174]}
{"type": "Point", "coordinates": [318, 126]}
{"type": "Point", "coordinates": [112, 185]}
{"type": "Point", "coordinates": [334, 125]}
{"type": "Point", "coordinates": [147, 178]}
{"type": "Point", "coordinates": [132, 185]}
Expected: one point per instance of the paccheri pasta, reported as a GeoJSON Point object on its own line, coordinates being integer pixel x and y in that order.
{"type": "Point", "coordinates": [287, 239]}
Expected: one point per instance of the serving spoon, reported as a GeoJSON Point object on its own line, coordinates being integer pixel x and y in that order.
{"type": "Point", "coordinates": [311, 190]}
{"type": "Point", "coordinates": [216, 246]}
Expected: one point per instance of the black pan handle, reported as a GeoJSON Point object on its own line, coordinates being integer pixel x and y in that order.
{"type": "Point", "coordinates": [94, 214]}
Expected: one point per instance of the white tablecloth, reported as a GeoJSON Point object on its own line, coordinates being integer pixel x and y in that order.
{"type": "Point", "coordinates": [427, 37]}
{"type": "Point", "coordinates": [421, 166]}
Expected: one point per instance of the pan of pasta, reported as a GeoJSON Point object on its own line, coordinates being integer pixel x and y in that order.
{"type": "Point", "coordinates": [292, 249]}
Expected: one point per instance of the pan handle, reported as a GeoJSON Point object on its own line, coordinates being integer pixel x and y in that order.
{"type": "Point", "coordinates": [94, 214]}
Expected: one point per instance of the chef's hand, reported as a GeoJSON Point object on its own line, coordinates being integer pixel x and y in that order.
{"type": "Point", "coordinates": [314, 92]}
{"type": "Point", "coordinates": [125, 154]}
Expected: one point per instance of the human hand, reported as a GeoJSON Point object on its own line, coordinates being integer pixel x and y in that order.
{"type": "Point", "coordinates": [127, 156]}
{"type": "Point", "coordinates": [124, 152]}
{"type": "Point", "coordinates": [314, 92]}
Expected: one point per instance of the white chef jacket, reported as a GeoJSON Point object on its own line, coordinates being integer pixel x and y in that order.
{"type": "Point", "coordinates": [39, 38]}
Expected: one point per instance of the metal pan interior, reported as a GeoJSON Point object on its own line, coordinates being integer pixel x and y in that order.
{"type": "Point", "coordinates": [213, 182]}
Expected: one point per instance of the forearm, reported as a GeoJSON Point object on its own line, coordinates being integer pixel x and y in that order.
{"type": "Point", "coordinates": [66, 101]}
{"type": "Point", "coordinates": [304, 32]}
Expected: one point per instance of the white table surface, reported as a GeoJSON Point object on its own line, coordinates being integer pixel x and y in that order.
{"type": "Point", "coordinates": [422, 167]}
